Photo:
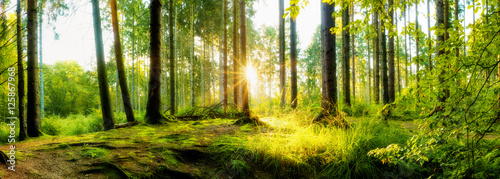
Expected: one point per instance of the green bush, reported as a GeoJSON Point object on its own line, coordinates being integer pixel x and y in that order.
{"type": "Point", "coordinates": [51, 126]}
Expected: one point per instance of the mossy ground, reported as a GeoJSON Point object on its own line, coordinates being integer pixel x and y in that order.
{"type": "Point", "coordinates": [287, 147]}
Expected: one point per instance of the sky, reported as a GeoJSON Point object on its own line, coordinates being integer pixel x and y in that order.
{"type": "Point", "coordinates": [76, 35]}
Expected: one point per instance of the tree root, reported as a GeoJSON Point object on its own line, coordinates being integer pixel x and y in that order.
{"type": "Point", "coordinates": [254, 120]}
{"type": "Point", "coordinates": [106, 166]}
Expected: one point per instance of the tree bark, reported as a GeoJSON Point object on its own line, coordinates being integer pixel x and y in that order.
{"type": "Point", "coordinates": [345, 55]}
{"type": "Point", "coordinates": [236, 55]}
{"type": "Point", "coordinates": [153, 107]}
{"type": "Point", "coordinates": [224, 65]}
{"type": "Point", "coordinates": [122, 78]}
{"type": "Point", "coordinates": [191, 54]}
{"type": "Point", "coordinates": [40, 23]}
{"type": "Point", "coordinates": [417, 40]}
{"type": "Point", "coordinates": [376, 63]}
{"type": "Point", "coordinates": [328, 63]}
{"type": "Point", "coordinates": [429, 36]}
{"type": "Point", "coordinates": [282, 54]}
{"type": "Point", "coordinates": [246, 108]}
{"type": "Point", "coordinates": [23, 130]}
{"type": "Point", "coordinates": [440, 20]}
{"type": "Point", "coordinates": [173, 107]}
{"type": "Point", "coordinates": [107, 113]}
{"type": "Point", "coordinates": [392, 90]}
{"type": "Point", "coordinates": [34, 122]}
{"type": "Point", "coordinates": [397, 56]}
{"type": "Point", "coordinates": [406, 50]}
{"type": "Point", "coordinates": [383, 56]}
{"type": "Point", "coordinates": [293, 63]}
{"type": "Point", "coordinates": [353, 57]}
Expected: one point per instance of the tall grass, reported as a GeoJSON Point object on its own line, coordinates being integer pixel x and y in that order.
{"type": "Point", "coordinates": [293, 146]}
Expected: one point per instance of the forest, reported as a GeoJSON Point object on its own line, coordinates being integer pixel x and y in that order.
{"type": "Point", "coordinates": [249, 89]}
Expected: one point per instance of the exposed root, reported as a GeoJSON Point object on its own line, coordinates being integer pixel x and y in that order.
{"type": "Point", "coordinates": [3, 158]}
{"type": "Point", "coordinates": [129, 124]}
{"type": "Point", "coordinates": [249, 120]}
{"type": "Point", "coordinates": [106, 166]}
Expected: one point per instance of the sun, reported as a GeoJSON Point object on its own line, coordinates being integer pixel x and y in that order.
{"type": "Point", "coordinates": [251, 74]}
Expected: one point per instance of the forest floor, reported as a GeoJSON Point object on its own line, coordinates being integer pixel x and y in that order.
{"type": "Point", "coordinates": [183, 149]}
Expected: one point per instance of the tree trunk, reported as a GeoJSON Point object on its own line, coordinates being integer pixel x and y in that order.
{"type": "Point", "coordinates": [40, 23]}
{"type": "Point", "coordinates": [34, 122]}
{"type": "Point", "coordinates": [353, 57]}
{"type": "Point", "coordinates": [328, 63]}
{"type": "Point", "coordinates": [440, 19]}
{"type": "Point", "coordinates": [293, 63]}
{"type": "Point", "coordinates": [120, 65]}
{"type": "Point", "coordinates": [282, 55]}
{"type": "Point", "coordinates": [429, 36]}
{"type": "Point", "coordinates": [153, 107]}
{"type": "Point", "coordinates": [107, 113]}
{"type": "Point", "coordinates": [376, 63]}
{"type": "Point", "coordinates": [345, 55]}
{"type": "Point", "coordinates": [383, 56]}
{"type": "Point", "coordinates": [246, 108]}
{"type": "Point", "coordinates": [236, 54]}
{"type": "Point", "coordinates": [368, 69]}
{"type": "Point", "coordinates": [417, 40]}
{"type": "Point", "coordinates": [23, 131]}
{"type": "Point", "coordinates": [191, 54]}
{"type": "Point", "coordinates": [224, 63]}
{"type": "Point", "coordinates": [172, 59]}
{"type": "Point", "coordinates": [406, 50]}
{"type": "Point", "coordinates": [397, 56]}
{"type": "Point", "coordinates": [392, 90]}
{"type": "Point", "coordinates": [457, 49]}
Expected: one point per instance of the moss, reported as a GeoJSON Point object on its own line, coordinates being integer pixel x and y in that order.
{"type": "Point", "coordinates": [95, 153]}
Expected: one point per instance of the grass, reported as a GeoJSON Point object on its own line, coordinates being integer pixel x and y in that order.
{"type": "Point", "coordinates": [293, 146]}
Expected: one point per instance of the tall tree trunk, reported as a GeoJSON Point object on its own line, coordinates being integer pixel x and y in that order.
{"type": "Point", "coordinates": [224, 64]}
{"type": "Point", "coordinates": [107, 113]}
{"type": "Point", "coordinates": [429, 36]}
{"type": "Point", "coordinates": [406, 49]}
{"type": "Point", "coordinates": [392, 90]}
{"type": "Point", "coordinates": [353, 57]}
{"type": "Point", "coordinates": [246, 108]}
{"type": "Point", "coordinates": [153, 114]}
{"type": "Point", "coordinates": [134, 83]}
{"type": "Point", "coordinates": [293, 63]}
{"type": "Point", "coordinates": [23, 130]}
{"type": "Point", "coordinates": [173, 107]}
{"type": "Point", "coordinates": [120, 65]}
{"type": "Point", "coordinates": [34, 122]}
{"type": "Point", "coordinates": [397, 56]}
{"type": "Point", "coordinates": [457, 49]}
{"type": "Point", "coordinates": [376, 63]}
{"type": "Point", "coordinates": [328, 63]}
{"type": "Point", "coordinates": [345, 55]}
{"type": "Point", "coordinates": [417, 40]}
{"type": "Point", "coordinates": [191, 54]}
{"type": "Point", "coordinates": [440, 19]}
{"type": "Point", "coordinates": [40, 23]}
{"type": "Point", "coordinates": [236, 55]}
{"type": "Point", "coordinates": [383, 56]}
{"type": "Point", "coordinates": [282, 54]}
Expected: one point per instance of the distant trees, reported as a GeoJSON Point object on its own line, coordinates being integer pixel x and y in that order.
{"type": "Point", "coordinates": [107, 113]}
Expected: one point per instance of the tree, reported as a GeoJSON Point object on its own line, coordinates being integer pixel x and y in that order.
{"type": "Point", "coordinates": [282, 55]}
{"type": "Point", "coordinates": [429, 54]}
{"type": "Point", "coordinates": [345, 54]}
{"type": "Point", "coordinates": [293, 62]}
{"type": "Point", "coordinates": [191, 55]}
{"type": "Point", "coordinates": [236, 54]}
{"type": "Point", "coordinates": [122, 78]}
{"type": "Point", "coordinates": [392, 91]}
{"type": "Point", "coordinates": [329, 64]}
{"type": "Point", "coordinates": [246, 109]}
{"type": "Point", "coordinates": [172, 56]}
{"type": "Point", "coordinates": [383, 63]}
{"type": "Point", "coordinates": [224, 51]}
{"type": "Point", "coordinates": [33, 116]}
{"type": "Point", "coordinates": [153, 114]}
{"type": "Point", "coordinates": [23, 133]}
{"type": "Point", "coordinates": [353, 56]}
{"type": "Point", "coordinates": [376, 63]}
{"type": "Point", "coordinates": [417, 40]}
{"type": "Point", "coordinates": [406, 49]}
{"type": "Point", "coordinates": [107, 112]}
